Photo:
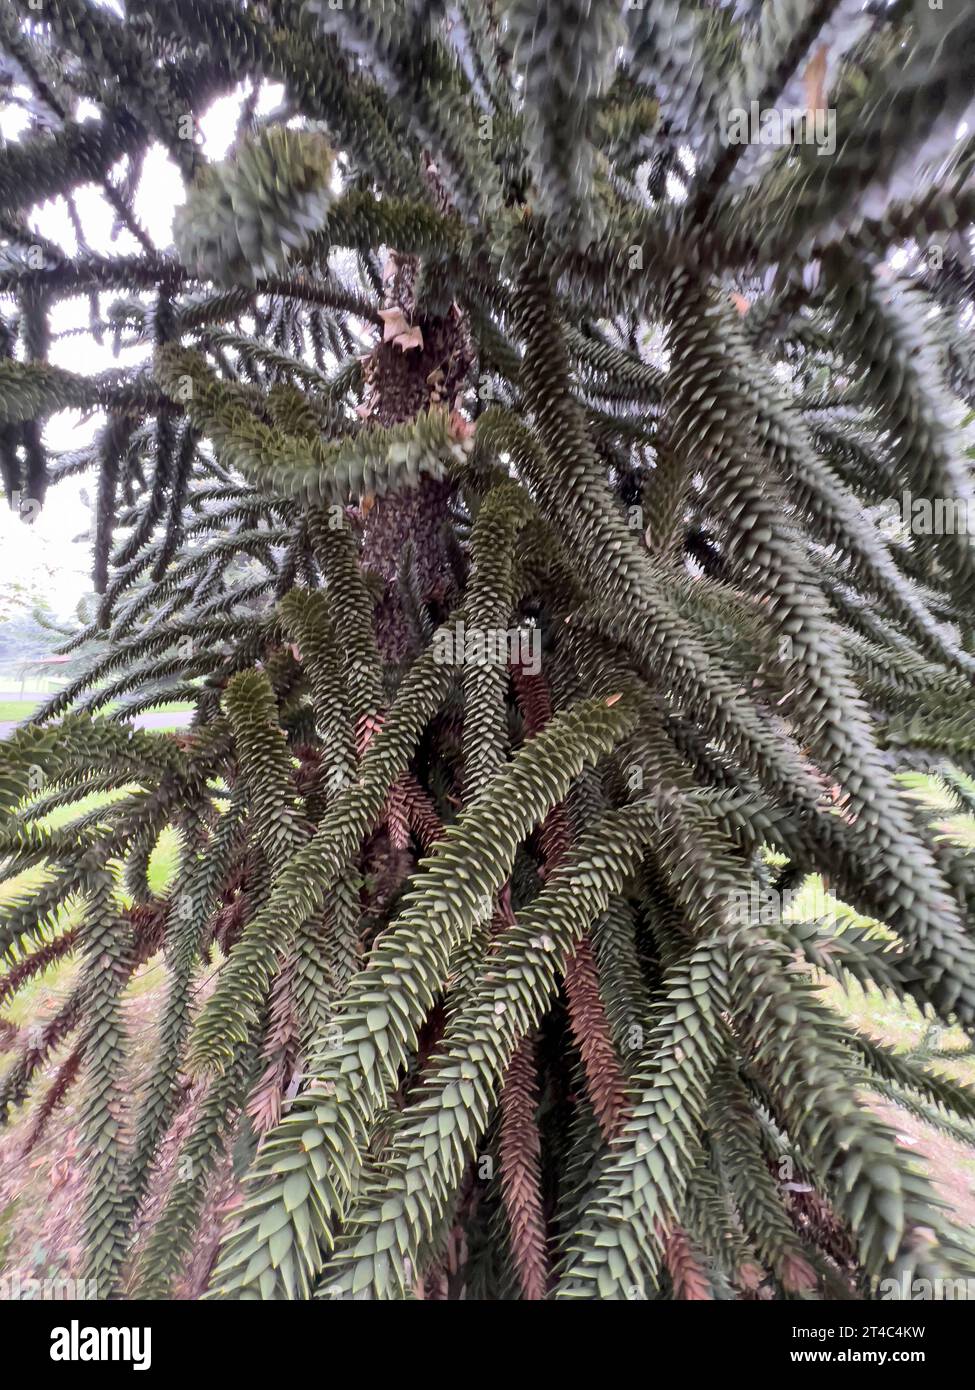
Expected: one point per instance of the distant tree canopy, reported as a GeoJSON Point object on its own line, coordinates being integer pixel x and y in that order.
{"type": "Point", "coordinates": [506, 480]}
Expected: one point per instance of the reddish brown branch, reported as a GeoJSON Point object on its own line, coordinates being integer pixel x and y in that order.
{"type": "Point", "coordinates": [521, 1174]}
{"type": "Point", "coordinates": [66, 1076]}
{"type": "Point", "coordinates": [688, 1278]}
{"type": "Point", "coordinates": [590, 1026]}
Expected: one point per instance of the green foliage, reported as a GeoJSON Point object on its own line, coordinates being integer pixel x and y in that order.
{"type": "Point", "coordinates": [507, 493]}
{"type": "Point", "coordinates": [247, 217]}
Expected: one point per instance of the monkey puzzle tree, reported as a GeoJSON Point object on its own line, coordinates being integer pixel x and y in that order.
{"type": "Point", "coordinates": [489, 332]}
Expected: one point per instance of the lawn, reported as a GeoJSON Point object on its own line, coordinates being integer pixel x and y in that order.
{"type": "Point", "coordinates": [12, 711]}
{"type": "Point", "coordinates": [52, 982]}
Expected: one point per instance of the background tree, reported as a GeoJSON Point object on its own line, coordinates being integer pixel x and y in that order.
{"type": "Point", "coordinates": [489, 325]}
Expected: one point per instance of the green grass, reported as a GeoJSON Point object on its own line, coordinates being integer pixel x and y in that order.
{"type": "Point", "coordinates": [24, 1006]}
{"type": "Point", "coordinates": [162, 862]}
{"type": "Point", "coordinates": [16, 709]}
{"type": "Point", "coordinates": [899, 1023]}
{"type": "Point", "coordinates": [11, 710]}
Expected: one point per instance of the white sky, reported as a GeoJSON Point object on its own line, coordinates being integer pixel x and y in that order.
{"type": "Point", "coordinates": [44, 551]}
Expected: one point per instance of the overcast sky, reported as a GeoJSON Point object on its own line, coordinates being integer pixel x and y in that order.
{"type": "Point", "coordinates": [44, 551]}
